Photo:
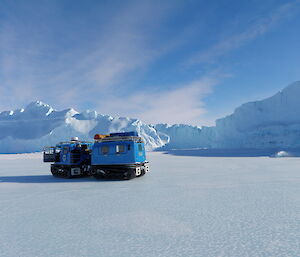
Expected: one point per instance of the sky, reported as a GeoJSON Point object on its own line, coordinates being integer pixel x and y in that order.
{"type": "Point", "coordinates": [167, 61]}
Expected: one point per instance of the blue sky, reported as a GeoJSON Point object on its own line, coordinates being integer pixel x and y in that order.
{"type": "Point", "coordinates": [159, 61]}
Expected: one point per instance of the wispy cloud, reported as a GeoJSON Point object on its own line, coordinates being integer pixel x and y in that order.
{"type": "Point", "coordinates": [258, 28]}
{"type": "Point", "coordinates": [100, 71]}
{"type": "Point", "coordinates": [32, 68]}
{"type": "Point", "coordinates": [96, 57]}
{"type": "Point", "coordinates": [183, 104]}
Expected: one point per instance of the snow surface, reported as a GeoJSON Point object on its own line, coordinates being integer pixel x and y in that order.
{"type": "Point", "coordinates": [186, 206]}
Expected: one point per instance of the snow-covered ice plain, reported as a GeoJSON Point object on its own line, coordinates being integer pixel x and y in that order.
{"type": "Point", "coordinates": [186, 206]}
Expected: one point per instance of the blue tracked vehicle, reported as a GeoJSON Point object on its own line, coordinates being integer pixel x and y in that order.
{"type": "Point", "coordinates": [71, 159]}
{"type": "Point", "coordinates": [117, 155]}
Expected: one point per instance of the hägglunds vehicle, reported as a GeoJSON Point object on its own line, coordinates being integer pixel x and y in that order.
{"type": "Point", "coordinates": [117, 155]}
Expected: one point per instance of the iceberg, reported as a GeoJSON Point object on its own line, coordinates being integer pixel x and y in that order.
{"type": "Point", "coordinates": [271, 123]}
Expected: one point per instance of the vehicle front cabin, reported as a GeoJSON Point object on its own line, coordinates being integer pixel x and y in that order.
{"type": "Point", "coordinates": [70, 159]}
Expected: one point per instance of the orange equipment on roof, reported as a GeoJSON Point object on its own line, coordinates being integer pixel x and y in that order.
{"type": "Point", "coordinates": [100, 136]}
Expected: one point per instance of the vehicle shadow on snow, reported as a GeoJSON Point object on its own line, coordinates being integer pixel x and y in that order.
{"type": "Point", "coordinates": [235, 152]}
{"type": "Point", "coordinates": [50, 179]}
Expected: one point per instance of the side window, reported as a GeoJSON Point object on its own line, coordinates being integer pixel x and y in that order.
{"type": "Point", "coordinates": [140, 147]}
{"type": "Point", "coordinates": [128, 147]}
{"type": "Point", "coordinates": [66, 149]}
{"type": "Point", "coordinates": [120, 148]}
{"type": "Point", "coordinates": [49, 150]}
{"type": "Point", "coordinates": [104, 149]}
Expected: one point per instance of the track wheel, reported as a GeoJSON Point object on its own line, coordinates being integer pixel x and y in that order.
{"type": "Point", "coordinates": [54, 172]}
{"type": "Point", "coordinates": [130, 174]}
{"type": "Point", "coordinates": [67, 173]}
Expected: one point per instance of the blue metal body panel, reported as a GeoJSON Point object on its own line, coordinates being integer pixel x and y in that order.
{"type": "Point", "coordinates": [71, 154]}
{"type": "Point", "coordinates": [132, 152]}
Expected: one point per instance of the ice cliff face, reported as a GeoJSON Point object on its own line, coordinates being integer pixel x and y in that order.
{"type": "Point", "coordinates": [179, 136]}
{"type": "Point", "coordinates": [270, 123]}
{"type": "Point", "coordinates": [37, 125]}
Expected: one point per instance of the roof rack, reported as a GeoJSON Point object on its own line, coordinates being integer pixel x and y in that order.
{"type": "Point", "coordinates": [121, 138]}
{"type": "Point", "coordinates": [73, 142]}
